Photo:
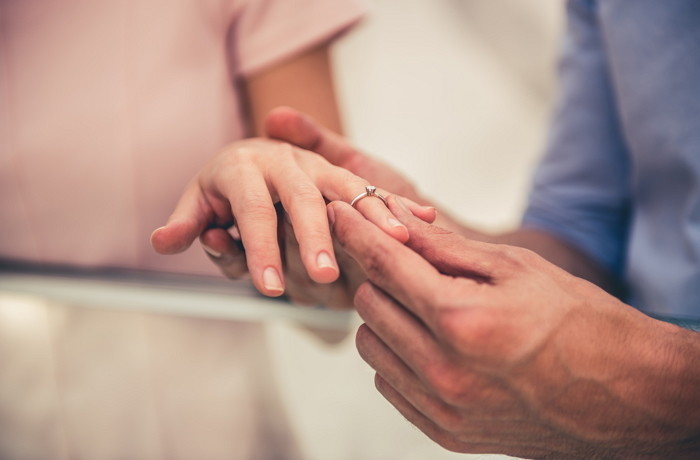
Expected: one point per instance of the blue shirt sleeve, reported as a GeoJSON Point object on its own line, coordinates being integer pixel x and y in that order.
{"type": "Point", "coordinates": [581, 191]}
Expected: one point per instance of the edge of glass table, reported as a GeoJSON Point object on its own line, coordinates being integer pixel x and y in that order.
{"type": "Point", "coordinates": [167, 293]}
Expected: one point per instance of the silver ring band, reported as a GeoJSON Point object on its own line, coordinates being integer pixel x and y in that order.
{"type": "Point", "coordinates": [370, 190]}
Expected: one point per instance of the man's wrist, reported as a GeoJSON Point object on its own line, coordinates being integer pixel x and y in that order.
{"type": "Point", "coordinates": [673, 391]}
{"type": "Point", "coordinates": [655, 380]}
{"type": "Point", "coordinates": [619, 384]}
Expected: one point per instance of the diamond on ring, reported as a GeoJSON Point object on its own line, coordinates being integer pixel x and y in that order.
{"type": "Point", "coordinates": [370, 190]}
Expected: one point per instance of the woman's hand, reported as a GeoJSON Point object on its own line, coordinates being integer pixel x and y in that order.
{"type": "Point", "coordinates": [240, 188]}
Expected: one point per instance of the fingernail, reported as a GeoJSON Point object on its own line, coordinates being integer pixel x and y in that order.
{"type": "Point", "coordinates": [272, 280]}
{"type": "Point", "coordinates": [210, 251]}
{"type": "Point", "coordinates": [156, 231]}
{"type": "Point", "coordinates": [331, 215]}
{"type": "Point", "coordinates": [393, 222]}
{"type": "Point", "coordinates": [323, 260]}
{"type": "Point", "coordinates": [150, 238]}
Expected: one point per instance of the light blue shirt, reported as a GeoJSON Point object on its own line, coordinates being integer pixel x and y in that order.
{"type": "Point", "coordinates": [621, 176]}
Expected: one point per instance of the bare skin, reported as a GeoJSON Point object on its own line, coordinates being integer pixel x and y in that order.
{"type": "Point", "coordinates": [489, 348]}
{"type": "Point", "coordinates": [487, 345]}
{"type": "Point", "coordinates": [302, 130]}
{"type": "Point", "coordinates": [249, 181]}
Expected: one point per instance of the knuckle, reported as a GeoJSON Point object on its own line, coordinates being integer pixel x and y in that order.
{"type": "Point", "coordinates": [317, 166]}
{"type": "Point", "coordinates": [516, 253]}
{"type": "Point", "coordinates": [286, 149]}
{"type": "Point", "coordinates": [468, 331]}
{"type": "Point", "coordinates": [383, 386]}
{"type": "Point", "coordinates": [488, 337]}
{"type": "Point", "coordinates": [529, 258]}
{"type": "Point", "coordinates": [306, 192]}
{"type": "Point", "coordinates": [516, 258]}
{"type": "Point", "coordinates": [350, 178]}
{"type": "Point", "coordinates": [363, 295]}
{"type": "Point", "coordinates": [375, 262]}
{"type": "Point", "coordinates": [352, 183]}
{"type": "Point", "coordinates": [380, 384]}
{"type": "Point", "coordinates": [258, 206]}
{"type": "Point", "coordinates": [456, 389]}
{"type": "Point", "coordinates": [316, 237]}
{"type": "Point", "coordinates": [249, 151]}
{"type": "Point", "coordinates": [283, 157]}
{"type": "Point", "coordinates": [364, 337]}
{"type": "Point", "coordinates": [302, 155]}
{"type": "Point", "coordinates": [446, 418]}
{"type": "Point", "coordinates": [239, 154]}
{"type": "Point", "coordinates": [450, 393]}
{"type": "Point", "coordinates": [440, 376]}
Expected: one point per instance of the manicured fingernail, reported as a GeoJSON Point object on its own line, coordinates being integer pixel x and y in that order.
{"type": "Point", "coordinates": [272, 280]}
{"type": "Point", "coordinates": [323, 260]}
{"type": "Point", "coordinates": [156, 231]}
{"type": "Point", "coordinates": [393, 222]}
{"type": "Point", "coordinates": [210, 251]}
{"type": "Point", "coordinates": [331, 215]}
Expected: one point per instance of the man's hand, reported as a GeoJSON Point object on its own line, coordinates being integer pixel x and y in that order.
{"type": "Point", "coordinates": [489, 348]}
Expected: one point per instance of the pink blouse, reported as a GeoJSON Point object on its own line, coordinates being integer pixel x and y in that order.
{"type": "Point", "coordinates": [107, 110]}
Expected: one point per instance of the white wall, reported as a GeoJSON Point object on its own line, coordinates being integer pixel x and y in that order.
{"type": "Point", "coordinates": [456, 94]}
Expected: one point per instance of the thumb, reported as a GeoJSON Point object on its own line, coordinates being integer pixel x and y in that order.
{"type": "Point", "coordinates": [450, 253]}
{"type": "Point", "coordinates": [290, 125]}
{"type": "Point", "coordinates": [186, 223]}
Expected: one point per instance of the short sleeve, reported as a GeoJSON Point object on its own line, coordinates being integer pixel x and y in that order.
{"type": "Point", "coordinates": [581, 190]}
{"type": "Point", "coordinates": [266, 32]}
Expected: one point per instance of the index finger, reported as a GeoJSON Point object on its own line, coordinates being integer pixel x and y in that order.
{"type": "Point", "coordinates": [191, 216]}
{"type": "Point", "coordinates": [396, 269]}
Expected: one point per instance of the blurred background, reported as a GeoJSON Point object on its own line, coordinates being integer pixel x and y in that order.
{"type": "Point", "coordinates": [454, 93]}
{"type": "Point", "coordinates": [457, 95]}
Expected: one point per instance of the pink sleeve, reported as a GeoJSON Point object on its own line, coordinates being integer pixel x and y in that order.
{"type": "Point", "coordinates": [267, 32]}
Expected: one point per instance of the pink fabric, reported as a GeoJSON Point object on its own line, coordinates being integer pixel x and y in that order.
{"type": "Point", "coordinates": [108, 108]}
